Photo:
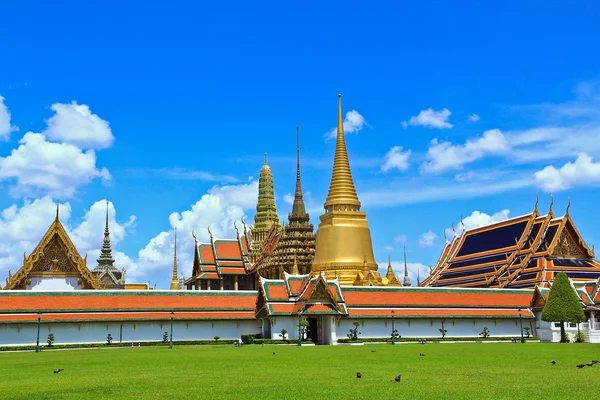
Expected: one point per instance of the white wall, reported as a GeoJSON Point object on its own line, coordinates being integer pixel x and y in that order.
{"type": "Point", "coordinates": [66, 333]}
{"type": "Point", "coordinates": [54, 284]}
{"type": "Point", "coordinates": [423, 328]}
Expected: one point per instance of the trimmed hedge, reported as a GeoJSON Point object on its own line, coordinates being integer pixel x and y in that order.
{"type": "Point", "coordinates": [124, 344]}
{"type": "Point", "coordinates": [249, 338]}
{"type": "Point", "coordinates": [436, 339]}
{"type": "Point", "coordinates": [279, 341]}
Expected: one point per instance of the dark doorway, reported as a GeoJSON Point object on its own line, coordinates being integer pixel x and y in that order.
{"type": "Point", "coordinates": [313, 330]}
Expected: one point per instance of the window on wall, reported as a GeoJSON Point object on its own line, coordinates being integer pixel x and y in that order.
{"type": "Point", "coordinates": [572, 325]}
{"type": "Point", "coordinates": [557, 324]}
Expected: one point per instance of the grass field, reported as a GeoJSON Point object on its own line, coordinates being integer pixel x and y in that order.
{"type": "Point", "coordinates": [447, 371]}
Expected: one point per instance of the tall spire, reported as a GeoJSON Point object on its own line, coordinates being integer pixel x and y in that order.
{"type": "Point", "coordinates": [342, 193]}
{"type": "Point", "coordinates": [106, 260]}
{"type": "Point", "coordinates": [298, 208]}
{"type": "Point", "coordinates": [266, 211]}
{"type": "Point", "coordinates": [57, 205]}
{"type": "Point", "coordinates": [175, 285]}
{"type": "Point", "coordinates": [390, 272]}
{"type": "Point", "coordinates": [406, 277]}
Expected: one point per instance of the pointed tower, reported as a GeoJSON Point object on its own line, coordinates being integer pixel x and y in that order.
{"type": "Point", "coordinates": [390, 271]}
{"type": "Point", "coordinates": [406, 281]}
{"type": "Point", "coordinates": [110, 277]}
{"type": "Point", "coordinates": [266, 211]}
{"type": "Point", "coordinates": [175, 284]}
{"type": "Point", "coordinates": [343, 237]}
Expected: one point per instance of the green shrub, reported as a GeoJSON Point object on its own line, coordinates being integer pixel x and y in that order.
{"type": "Point", "coordinates": [248, 338]}
{"type": "Point", "coordinates": [353, 335]}
{"type": "Point", "coordinates": [109, 339]}
{"type": "Point", "coordinates": [165, 338]}
{"type": "Point", "coordinates": [283, 334]}
{"type": "Point", "coordinates": [217, 338]}
{"type": "Point", "coordinates": [579, 337]}
{"type": "Point", "coordinates": [485, 333]}
{"type": "Point", "coordinates": [443, 332]}
{"type": "Point", "coordinates": [50, 339]}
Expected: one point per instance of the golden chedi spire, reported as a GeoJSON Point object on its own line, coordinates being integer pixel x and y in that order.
{"type": "Point", "coordinates": [175, 280]}
{"type": "Point", "coordinates": [266, 211]}
{"type": "Point", "coordinates": [343, 246]}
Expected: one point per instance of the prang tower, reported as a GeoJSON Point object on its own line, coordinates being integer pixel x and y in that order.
{"type": "Point", "coordinates": [343, 245]}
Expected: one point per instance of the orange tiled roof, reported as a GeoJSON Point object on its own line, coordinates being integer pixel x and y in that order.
{"type": "Point", "coordinates": [438, 313]}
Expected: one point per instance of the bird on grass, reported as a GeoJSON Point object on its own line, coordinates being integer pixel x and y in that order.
{"type": "Point", "coordinates": [590, 364]}
{"type": "Point", "coordinates": [56, 371]}
{"type": "Point", "coordinates": [422, 355]}
{"type": "Point", "coordinates": [553, 362]}
{"type": "Point", "coordinates": [594, 361]}
{"type": "Point", "coordinates": [580, 366]}
{"type": "Point", "coordinates": [273, 353]}
{"type": "Point", "coordinates": [373, 351]}
{"type": "Point", "coordinates": [397, 378]}
{"type": "Point", "coordinates": [358, 375]}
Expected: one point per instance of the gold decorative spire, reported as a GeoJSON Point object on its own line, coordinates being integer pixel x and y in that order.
{"type": "Point", "coordinates": [418, 277]}
{"type": "Point", "coordinates": [106, 260]}
{"type": "Point", "coordinates": [390, 272]}
{"type": "Point", "coordinates": [266, 211]}
{"type": "Point", "coordinates": [57, 205]}
{"type": "Point", "coordinates": [294, 270]}
{"type": "Point", "coordinates": [175, 280]}
{"type": "Point", "coordinates": [342, 193]}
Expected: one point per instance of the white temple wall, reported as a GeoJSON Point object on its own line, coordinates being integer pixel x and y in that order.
{"type": "Point", "coordinates": [48, 283]}
{"type": "Point", "coordinates": [95, 332]}
{"type": "Point", "coordinates": [290, 324]}
{"type": "Point", "coordinates": [424, 328]}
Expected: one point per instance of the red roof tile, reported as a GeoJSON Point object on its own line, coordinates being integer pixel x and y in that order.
{"type": "Point", "coordinates": [438, 313]}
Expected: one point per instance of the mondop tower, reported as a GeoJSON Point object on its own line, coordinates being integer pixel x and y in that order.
{"type": "Point", "coordinates": [343, 245]}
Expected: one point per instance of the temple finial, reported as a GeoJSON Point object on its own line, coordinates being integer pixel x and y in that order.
{"type": "Point", "coordinates": [406, 277]}
{"type": "Point", "coordinates": [342, 193]}
{"type": "Point", "coordinates": [390, 271]}
{"type": "Point", "coordinates": [551, 202]}
{"type": "Point", "coordinates": [295, 270]}
{"type": "Point", "coordinates": [537, 200]}
{"type": "Point", "coordinates": [453, 230]}
{"type": "Point", "coordinates": [462, 223]}
{"type": "Point", "coordinates": [568, 206]}
{"type": "Point", "coordinates": [418, 277]}
{"type": "Point", "coordinates": [175, 280]}
{"type": "Point", "coordinates": [266, 160]}
{"type": "Point", "coordinates": [57, 206]}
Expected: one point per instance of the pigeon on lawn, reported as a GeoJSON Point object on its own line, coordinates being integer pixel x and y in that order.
{"type": "Point", "coordinates": [358, 375]}
{"type": "Point", "coordinates": [553, 362]}
{"type": "Point", "coordinates": [590, 364]}
{"type": "Point", "coordinates": [273, 353]}
{"type": "Point", "coordinates": [397, 378]}
{"type": "Point", "coordinates": [594, 361]}
{"type": "Point", "coordinates": [373, 351]}
{"type": "Point", "coordinates": [580, 366]}
{"type": "Point", "coordinates": [422, 355]}
{"type": "Point", "coordinates": [56, 371]}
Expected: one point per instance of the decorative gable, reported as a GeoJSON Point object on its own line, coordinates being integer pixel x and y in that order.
{"type": "Point", "coordinates": [569, 244]}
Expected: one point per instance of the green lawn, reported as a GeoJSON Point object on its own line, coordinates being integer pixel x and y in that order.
{"type": "Point", "coordinates": [447, 371]}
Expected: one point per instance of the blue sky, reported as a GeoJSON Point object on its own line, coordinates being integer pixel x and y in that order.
{"type": "Point", "coordinates": [166, 109]}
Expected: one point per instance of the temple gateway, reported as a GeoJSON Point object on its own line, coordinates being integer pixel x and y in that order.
{"type": "Point", "coordinates": [274, 275]}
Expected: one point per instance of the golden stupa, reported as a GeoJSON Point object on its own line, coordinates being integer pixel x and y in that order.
{"type": "Point", "coordinates": [343, 246]}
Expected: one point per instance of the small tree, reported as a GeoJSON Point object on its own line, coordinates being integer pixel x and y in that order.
{"type": "Point", "coordinates": [527, 331]}
{"type": "Point", "coordinates": [580, 337]}
{"type": "Point", "coordinates": [283, 334]}
{"type": "Point", "coordinates": [217, 338]}
{"type": "Point", "coordinates": [109, 339]}
{"type": "Point", "coordinates": [562, 305]}
{"type": "Point", "coordinates": [395, 335]}
{"type": "Point", "coordinates": [485, 333]}
{"type": "Point", "coordinates": [353, 335]}
{"type": "Point", "coordinates": [443, 332]}
{"type": "Point", "coordinates": [303, 327]}
{"type": "Point", "coordinates": [50, 339]}
{"type": "Point", "coordinates": [165, 337]}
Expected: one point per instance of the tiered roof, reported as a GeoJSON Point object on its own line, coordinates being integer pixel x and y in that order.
{"type": "Point", "coordinates": [520, 252]}
{"type": "Point", "coordinates": [266, 210]}
{"type": "Point", "coordinates": [222, 257]}
{"type": "Point", "coordinates": [99, 305]}
{"type": "Point", "coordinates": [109, 276]}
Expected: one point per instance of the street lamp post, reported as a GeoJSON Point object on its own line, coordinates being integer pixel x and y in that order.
{"type": "Point", "coordinates": [37, 343]}
{"type": "Point", "coordinates": [521, 322]}
{"type": "Point", "coordinates": [171, 343]}
{"type": "Point", "coordinates": [393, 330]}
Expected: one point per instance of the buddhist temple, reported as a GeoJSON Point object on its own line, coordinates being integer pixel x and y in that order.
{"type": "Point", "coordinates": [222, 264]}
{"type": "Point", "coordinates": [289, 248]}
{"type": "Point", "coordinates": [108, 275]}
{"type": "Point", "coordinates": [521, 252]}
{"type": "Point", "coordinates": [55, 264]}
{"type": "Point", "coordinates": [343, 244]}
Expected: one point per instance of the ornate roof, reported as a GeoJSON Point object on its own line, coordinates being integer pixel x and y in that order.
{"type": "Point", "coordinates": [266, 210]}
{"type": "Point", "coordinates": [520, 252]}
{"type": "Point", "coordinates": [54, 256]}
{"type": "Point", "coordinates": [108, 275]}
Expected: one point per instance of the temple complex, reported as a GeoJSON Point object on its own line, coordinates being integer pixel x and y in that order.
{"type": "Point", "coordinates": [108, 275]}
{"type": "Point", "coordinates": [521, 252]}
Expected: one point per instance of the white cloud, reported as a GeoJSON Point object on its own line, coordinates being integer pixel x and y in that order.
{"type": "Point", "coordinates": [288, 198]}
{"type": "Point", "coordinates": [477, 219]}
{"type": "Point", "coordinates": [474, 118]}
{"type": "Point", "coordinates": [443, 156]}
{"type": "Point", "coordinates": [5, 127]}
{"type": "Point", "coordinates": [584, 171]}
{"type": "Point", "coordinates": [56, 169]}
{"type": "Point", "coordinates": [427, 239]}
{"type": "Point", "coordinates": [76, 124]}
{"type": "Point", "coordinates": [396, 159]}
{"type": "Point", "coordinates": [430, 119]}
{"type": "Point", "coordinates": [353, 123]}
{"type": "Point", "coordinates": [219, 209]}
{"type": "Point", "coordinates": [414, 269]}
{"type": "Point", "coordinates": [400, 239]}
{"type": "Point", "coordinates": [21, 229]}
{"type": "Point", "coordinates": [389, 248]}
